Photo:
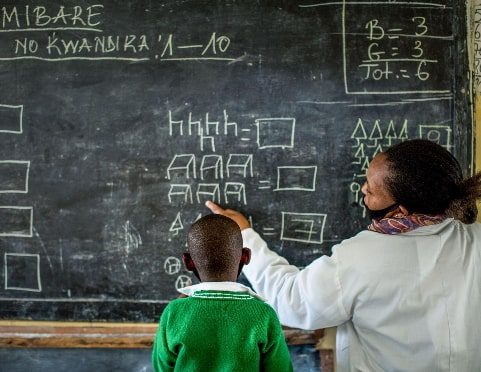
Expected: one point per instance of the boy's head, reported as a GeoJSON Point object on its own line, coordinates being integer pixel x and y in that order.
{"type": "Point", "coordinates": [215, 249]}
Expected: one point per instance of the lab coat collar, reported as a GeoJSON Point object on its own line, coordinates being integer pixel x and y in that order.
{"type": "Point", "coordinates": [430, 229]}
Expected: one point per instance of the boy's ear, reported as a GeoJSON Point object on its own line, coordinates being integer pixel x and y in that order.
{"type": "Point", "coordinates": [188, 262]}
{"type": "Point", "coordinates": [246, 256]}
{"type": "Point", "coordinates": [245, 259]}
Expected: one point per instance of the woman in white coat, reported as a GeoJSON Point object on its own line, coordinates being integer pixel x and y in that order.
{"type": "Point", "coordinates": [406, 293]}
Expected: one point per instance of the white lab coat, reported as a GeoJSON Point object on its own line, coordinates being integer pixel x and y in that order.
{"type": "Point", "coordinates": [407, 302]}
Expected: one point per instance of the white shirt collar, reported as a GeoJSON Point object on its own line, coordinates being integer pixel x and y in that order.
{"type": "Point", "coordinates": [219, 286]}
{"type": "Point", "coordinates": [430, 229]}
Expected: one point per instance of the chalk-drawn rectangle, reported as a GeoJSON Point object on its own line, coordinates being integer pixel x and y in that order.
{"type": "Point", "coordinates": [275, 132]}
{"type": "Point", "coordinates": [14, 176]}
{"type": "Point", "coordinates": [16, 221]}
{"type": "Point", "coordinates": [22, 272]}
{"type": "Point", "coordinates": [440, 134]}
{"type": "Point", "coordinates": [373, 62]}
{"type": "Point", "coordinates": [303, 227]}
{"type": "Point", "coordinates": [11, 118]}
{"type": "Point", "coordinates": [296, 178]}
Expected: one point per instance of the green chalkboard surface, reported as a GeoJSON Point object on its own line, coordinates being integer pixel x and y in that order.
{"type": "Point", "coordinates": [119, 119]}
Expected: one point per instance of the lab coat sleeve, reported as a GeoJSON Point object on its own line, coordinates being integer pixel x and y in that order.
{"type": "Point", "coordinates": [310, 298]}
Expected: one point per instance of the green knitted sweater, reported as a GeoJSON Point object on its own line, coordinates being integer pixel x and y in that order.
{"type": "Point", "coordinates": [220, 331]}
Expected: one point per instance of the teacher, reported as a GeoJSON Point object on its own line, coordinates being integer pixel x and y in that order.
{"type": "Point", "coordinates": [405, 294]}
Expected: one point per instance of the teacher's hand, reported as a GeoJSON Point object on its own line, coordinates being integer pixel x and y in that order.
{"type": "Point", "coordinates": [238, 218]}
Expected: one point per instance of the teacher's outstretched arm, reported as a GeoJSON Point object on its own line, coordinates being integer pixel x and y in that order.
{"type": "Point", "coordinates": [309, 299]}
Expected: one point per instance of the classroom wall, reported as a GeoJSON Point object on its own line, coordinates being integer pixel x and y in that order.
{"type": "Point", "coordinates": [478, 141]}
{"type": "Point", "coordinates": [475, 60]}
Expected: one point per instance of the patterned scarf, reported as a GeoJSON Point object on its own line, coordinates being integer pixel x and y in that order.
{"type": "Point", "coordinates": [399, 225]}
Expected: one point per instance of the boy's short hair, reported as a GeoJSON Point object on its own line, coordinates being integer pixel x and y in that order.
{"type": "Point", "coordinates": [215, 244]}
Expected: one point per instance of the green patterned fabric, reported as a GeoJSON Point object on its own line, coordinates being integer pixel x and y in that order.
{"type": "Point", "coordinates": [220, 331]}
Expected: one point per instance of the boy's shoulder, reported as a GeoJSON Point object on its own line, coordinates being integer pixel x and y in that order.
{"type": "Point", "coordinates": [219, 296]}
{"type": "Point", "coordinates": [256, 305]}
{"type": "Point", "coordinates": [180, 309]}
{"type": "Point", "coordinates": [267, 309]}
{"type": "Point", "coordinates": [214, 297]}
{"type": "Point", "coordinates": [178, 302]}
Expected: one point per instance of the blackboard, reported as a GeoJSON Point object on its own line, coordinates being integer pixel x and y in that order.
{"type": "Point", "coordinates": [118, 120]}
{"type": "Point", "coordinates": [305, 358]}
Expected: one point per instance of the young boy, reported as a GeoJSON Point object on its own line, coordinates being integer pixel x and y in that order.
{"type": "Point", "coordinates": [222, 325]}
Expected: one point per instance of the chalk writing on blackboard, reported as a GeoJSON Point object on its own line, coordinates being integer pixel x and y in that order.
{"type": "Point", "coordinates": [303, 227]}
{"type": "Point", "coordinates": [182, 281]}
{"type": "Point", "coordinates": [176, 225]}
{"type": "Point", "coordinates": [148, 109]}
{"type": "Point", "coordinates": [172, 265]}
{"type": "Point", "coordinates": [17, 221]}
{"type": "Point", "coordinates": [14, 176]}
{"type": "Point", "coordinates": [477, 48]}
{"type": "Point", "coordinates": [22, 272]}
{"type": "Point", "coordinates": [11, 119]}
{"type": "Point", "coordinates": [67, 33]}
{"type": "Point", "coordinates": [386, 65]}
{"type": "Point", "coordinates": [296, 178]}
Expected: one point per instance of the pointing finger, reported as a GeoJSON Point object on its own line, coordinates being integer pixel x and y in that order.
{"type": "Point", "coordinates": [214, 207]}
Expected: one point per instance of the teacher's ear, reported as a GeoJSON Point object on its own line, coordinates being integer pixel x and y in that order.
{"type": "Point", "coordinates": [401, 211]}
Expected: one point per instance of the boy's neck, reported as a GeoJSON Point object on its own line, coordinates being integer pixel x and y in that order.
{"type": "Point", "coordinates": [223, 278]}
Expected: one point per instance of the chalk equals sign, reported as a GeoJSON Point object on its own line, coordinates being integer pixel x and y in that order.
{"type": "Point", "coordinates": [245, 139]}
{"type": "Point", "coordinates": [268, 231]}
{"type": "Point", "coordinates": [263, 185]}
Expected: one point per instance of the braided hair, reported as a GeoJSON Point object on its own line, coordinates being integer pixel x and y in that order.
{"type": "Point", "coordinates": [426, 178]}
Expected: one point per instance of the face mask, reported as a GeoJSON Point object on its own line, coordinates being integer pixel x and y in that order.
{"type": "Point", "coordinates": [378, 214]}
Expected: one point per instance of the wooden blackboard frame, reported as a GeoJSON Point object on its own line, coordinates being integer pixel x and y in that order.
{"type": "Point", "coordinates": [91, 335]}
{"type": "Point", "coordinates": [104, 335]}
